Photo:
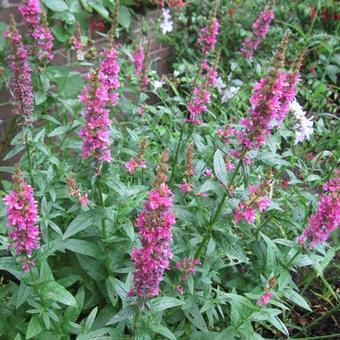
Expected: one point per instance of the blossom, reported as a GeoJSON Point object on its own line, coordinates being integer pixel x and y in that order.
{"type": "Point", "coordinates": [208, 36]}
{"type": "Point", "coordinates": [75, 191]}
{"type": "Point", "coordinates": [219, 84]}
{"type": "Point", "coordinates": [327, 217]}
{"type": "Point", "coordinates": [154, 225]}
{"type": "Point", "coordinates": [187, 266]}
{"type": "Point", "coordinates": [260, 30]}
{"type": "Point", "coordinates": [44, 41]}
{"type": "Point", "coordinates": [167, 24]}
{"type": "Point", "coordinates": [95, 134]}
{"type": "Point", "coordinates": [132, 164]}
{"type": "Point", "coordinates": [246, 210]}
{"type": "Point", "coordinates": [229, 93]}
{"type": "Point", "coordinates": [185, 187]}
{"type": "Point", "coordinates": [30, 10]}
{"type": "Point", "coordinates": [157, 84]}
{"type": "Point", "coordinates": [38, 29]}
{"type": "Point", "coordinates": [21, 82]}
{"type": "Point", "coordinates": [109, 73]}
{"type": "Point", "coordinates": [208, 173]}
{"type": "Point", "coordinates": [303, 126]}
{"type": "Point", "coordinates": [263, 203]}
{"type": "Point", "coordinates": [198, 105]}
{"type": "Point", "coordinates": [139, 62]}
{"type": "Point", "coordinates": [22, 217]}
{"type": "Point", "coordinates": [264, 298]}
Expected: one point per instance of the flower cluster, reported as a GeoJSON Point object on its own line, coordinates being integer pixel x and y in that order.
{"type": "Point", "coordinates": [303, 126]}
{"type": "Point", "coordinates": [95, 134]}
{"type": "Point", "coordinates": [39, 30]}
{"type": "Point", "coordinates": [267, 295]}
{"type": "Point", "coordinates": [186, 266]}
{"type": "Point", "coordinates": [270, 102]}
{"type": "Point", "coordinates": [201, 95]}
{"type": "Point", "coordinates": [134, 163]}
{"type": "Point", "coordinates": [208, 36]}
{"type": "Point", "coordinates": [260, 30]}
{"type": "Point", "coordinates": [30, 10]}
{"type": "Point", "coordinates": [139, 61]}
{"type": "Point", "coordinates": [21, 82]}
{"type": "Point", "coordinates": [77, 44]}
{"type": "Point", "coordinates": [109, 73]}
{"type": "Point", "coordinates": [257, 200]}
{"type": "Point", "coordinates": [22, 216]}
{"type": "Point", "coordinates": [327, 217]}
{"type": "Point", "coordinates": [167, 23]}
{"type": "Point", "coordinates": [43, 40]}
{"type": "Point", "coordinates": [75, 191]}
{"type": "Point", "coordinates": [154, 225]}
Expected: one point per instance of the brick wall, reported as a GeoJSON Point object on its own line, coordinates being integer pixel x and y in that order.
{"type": "Point", "coordinates": [160, 55]}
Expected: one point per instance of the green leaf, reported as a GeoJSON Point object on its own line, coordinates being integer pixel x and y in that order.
{"type": "Point", "coordinates": [160, 329]}
{"type": "Point", "coordinates": [33, 328]}
{"type": "Point", "coordinates": [122, 315]}
{"type": "Point", "coordinates": [82, 247]}
{"type": "Point", "coordinates": [161, 303]}
{"type": "Point", "coordinates": [81, 222]}
{"type": "Point", "coordinates": [90, 319]}
{"type": "Point", "coordinates": [295, 297]}
{"type": "Point", "coordinates": [9, 264]}
{"type": "Point", "coordinates": [53, 290]}
{"type": "Point", "coordinates": [14, 151]}
{"type": "Point", "coordinates": [124, 17]}
{"type": "Point", "coordinates": [220, 167]}
{"type": "Point", "coordinates": [56, 5]}
{"type": "Point", "coordinates": [100, 9]}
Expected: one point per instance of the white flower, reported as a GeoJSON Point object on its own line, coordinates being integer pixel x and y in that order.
{"type": "Point", "coordinates": [229, 93]}
{"type": "Point", "coordinates": [219, 84]}
{"type": "Point", "coordinates": [176, 74]}
{"type": "Point", "coordinates": [157, 84]}
{"type": "Point", "coordinates": [167, 24]}
{"type": "Point", "coordinates": [303, 126]}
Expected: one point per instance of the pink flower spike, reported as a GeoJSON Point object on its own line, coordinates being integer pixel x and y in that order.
{"type": "Point", "coordinates": [185, 187]}
{"type": "Point", "coordinates": [263, 203]}
{"type": "Point", "coordinates": [264, 299]}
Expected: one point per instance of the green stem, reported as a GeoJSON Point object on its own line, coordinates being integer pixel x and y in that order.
{"type": "Point", "coordinates": [100, 193]}
{"type": "Point", "coordinates": [217, 213]}
{"type": "Point", "coordinates": [29, 163]}
{"type": "Point", "coordinates": [176, 154]}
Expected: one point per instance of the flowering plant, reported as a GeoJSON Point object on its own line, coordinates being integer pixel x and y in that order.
{"type": "Point", "coordinates": [202, 203]}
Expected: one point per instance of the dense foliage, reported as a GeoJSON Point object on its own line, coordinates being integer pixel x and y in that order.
{"type": "Point", "coordinates": [197, 205]}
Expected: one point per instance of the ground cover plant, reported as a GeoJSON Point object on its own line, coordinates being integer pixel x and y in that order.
{"type": "Point", "coordinates": [202, 204]}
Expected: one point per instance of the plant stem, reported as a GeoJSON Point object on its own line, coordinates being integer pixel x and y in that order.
{"type": "Point", "coordinates": [176, 154]}
{"type": "Point", "coordinates": [100, 193]}
{"type": "Point", "coordinates": [29, 162]}
{"type": "Point", "coordinates": [218, 211]}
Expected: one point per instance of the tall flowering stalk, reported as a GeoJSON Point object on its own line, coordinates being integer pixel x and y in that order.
{"type": "Point", "coordinates": [200, 99]}
{"type": "Point", "coordinates": [22, 216]}
{"type": "Point", "coordinates": [327, 217]}
{"type": "Point", "coordinates": [21, 82]}
{"type": "Point", "coordinates": [95, 134]}
{"type": "Point", "coordinates": [154, 226]}
{"type": "Point", "coordinates": [109, 73]}
{"type": "Point", "coordinates": [140, 63]}
{"type": "Point", "coordinates": [260, 30]}
{"type": "Point", "coordinates": [270, 102]}
{"type": "Point", "coordinates": [38, 29]}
